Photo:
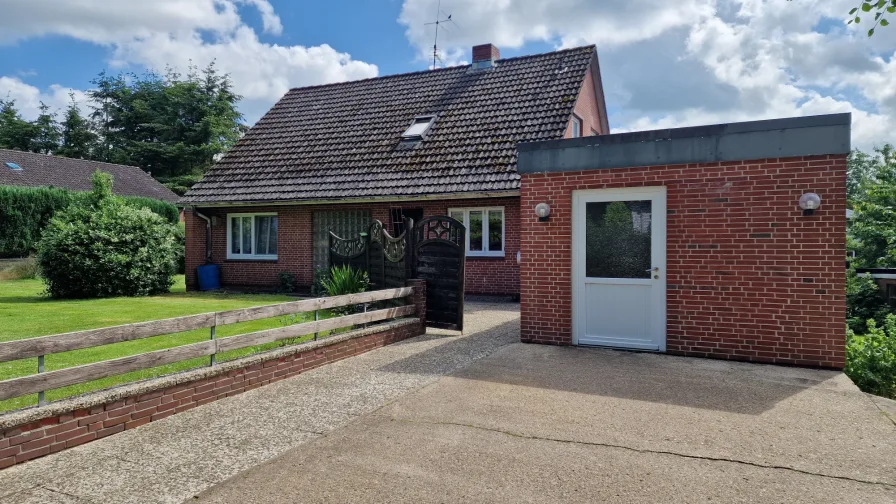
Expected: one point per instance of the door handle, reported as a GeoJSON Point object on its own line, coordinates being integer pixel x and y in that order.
{"type": "Point", "coordinates": [655, 269]}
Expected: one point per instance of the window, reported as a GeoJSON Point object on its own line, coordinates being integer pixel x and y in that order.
{"type": "Point", "coordinates": [13, 166]}
{"type": "Point", "coordinates": [418, 128]}
{"type": "Point", "coordinates": [576, 127]}
{"type": "Point", "coordinates": [485, 230]}
{"type": "Point", "coordinates": [593, 132]}
{"type": "Point", "coordinates": [252, 236]}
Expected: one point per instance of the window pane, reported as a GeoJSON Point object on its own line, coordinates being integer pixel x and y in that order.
{"type": "Point", "coordinates": [262, 232]}
{"type": "Point", "coordinates": [495, 230]}
{"type": "Point", "coordinates": [617, 239]}
{"type": "Point", "coordinates": [457, 215]}
{"type": "Point", "coordinates": [246, 224]}
{"type": "Point", "coordinates": [272, 240]}
{"type": "Point", "coordinates": [235, 242]}
{"type": "Point", "coordinates": [475, 230]}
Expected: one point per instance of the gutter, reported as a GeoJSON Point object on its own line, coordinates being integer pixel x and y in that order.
{"type": "Point", "coordinates": [208, 235]}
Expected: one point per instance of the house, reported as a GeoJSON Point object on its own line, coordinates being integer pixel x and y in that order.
{"type": "Point", "coordinates": [885, 278]}
{"type": "Point", "coordinates": [391, 148]}
{"type": "Point", "coordinates": [28, 169]}
{"type": "Point", "coordinates": [724, 241]}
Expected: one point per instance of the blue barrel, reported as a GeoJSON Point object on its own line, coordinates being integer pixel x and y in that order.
{"type": "Point", "coordinates": [209, 277]}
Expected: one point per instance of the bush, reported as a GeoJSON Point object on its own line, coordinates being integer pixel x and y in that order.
{"type": "Point", "coordinates": [26, 211]}
{"type": "Point", "coordinates": [180, 255]}
{"type": "Point", "coordinates": [871, 358]}
{"type": "Point", "coordinates": [287, 281]}
{"type": "Point", "coordinates": [317, 288]}
{"type": "Point", "coordinates": [863, 302]}
{"type": "Point", "coordinates": [345, 280]}
{"type": "Point", "coordinates": [105, 247]}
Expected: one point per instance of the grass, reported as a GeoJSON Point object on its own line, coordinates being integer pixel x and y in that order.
{"type": "Point", "coordinates": [25, 313]}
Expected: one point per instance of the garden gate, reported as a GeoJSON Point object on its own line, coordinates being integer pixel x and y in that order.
{"type": "Point", "coordinates": [432, 249]}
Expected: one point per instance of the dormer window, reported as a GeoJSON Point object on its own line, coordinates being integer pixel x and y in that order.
{"type": "Point", "coordinates": [418, 128]}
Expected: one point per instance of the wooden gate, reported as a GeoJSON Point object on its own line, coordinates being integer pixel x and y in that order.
{"type": "Point", "coordinates": [439, 254]}
{"type": "Point", "coordinates": [432, 250]}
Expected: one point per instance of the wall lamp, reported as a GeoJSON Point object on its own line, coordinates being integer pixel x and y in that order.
{"type": "Point", "coordinates": [809, 202]}
{"type": "Point", "coordinates": [543, 211]}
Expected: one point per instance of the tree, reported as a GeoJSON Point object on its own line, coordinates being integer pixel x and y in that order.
{"type": "Point", "coordinates": [15, 132]}
{"type": "Point", "coordinates": [872, 230]}
{"type": "Point", "coordinates": [46, 132]}
{"type": "Point", "coordinates": [78, 139]}
{"type": "Point", "coordinates": [880, 9]}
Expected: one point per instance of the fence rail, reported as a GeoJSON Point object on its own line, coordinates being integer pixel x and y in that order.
{"type": "Point", "coordinates": [44, 345]}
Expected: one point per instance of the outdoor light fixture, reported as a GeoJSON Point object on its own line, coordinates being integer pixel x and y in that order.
{"type": "Point", "coordinates": [543, 211]}
{"type": "Point", "coordinates": [809, 202]}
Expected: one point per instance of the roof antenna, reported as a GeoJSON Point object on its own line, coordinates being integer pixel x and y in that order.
{"type": "Point", "coordinates": [435, 45]}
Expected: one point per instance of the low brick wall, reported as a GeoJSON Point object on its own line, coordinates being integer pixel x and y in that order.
{"type": "Point", "coordinates": [33, 433]}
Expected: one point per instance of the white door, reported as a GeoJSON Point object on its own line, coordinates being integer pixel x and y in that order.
{"type": "Point", "coordinates": [619, 268]}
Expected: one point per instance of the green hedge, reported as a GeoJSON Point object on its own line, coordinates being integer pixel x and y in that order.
{"type": "Point", "coordinates": [25, 212]}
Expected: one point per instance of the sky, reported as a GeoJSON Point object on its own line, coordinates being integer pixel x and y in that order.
{"type": "Point", "coordinates": [664, 64]}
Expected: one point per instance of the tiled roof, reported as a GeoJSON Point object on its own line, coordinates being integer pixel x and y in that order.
{"type": "Point", "coordinates": [343, 141]}
{"type": "Point", "coordinates": [40, 170]}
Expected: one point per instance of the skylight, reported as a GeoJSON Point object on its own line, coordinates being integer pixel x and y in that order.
{"type": "Point", "coordinates": [418, 128]}
{"type": "Point", "coordinates": [13, 166]}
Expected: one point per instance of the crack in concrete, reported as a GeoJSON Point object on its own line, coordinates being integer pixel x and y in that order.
{"type": "Point", "coordinates": [60, 492]}
{"type": "Point", "coordinates": [657, 452]}
{"type": "Point", "coordinates": [881, 410]}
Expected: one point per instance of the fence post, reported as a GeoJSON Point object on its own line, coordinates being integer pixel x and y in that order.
{"type": "Point", "coordinates": [316, 318]}
{"type": "Point", "coordinates": [419, 298]}
{"type": "Point", "coordinates": [41, 396]}
{"type": "Point", "coordinates": [410, 251]}
{"type": "Point", "coordinates": [212, 360]}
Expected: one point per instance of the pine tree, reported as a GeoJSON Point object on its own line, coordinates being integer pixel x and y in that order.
{"type": "Point", "coordinates": [15, 132]}
{"type": "Point", "coordinates": [78, 139]}
{"type": "Point", "coordinates": [46, 132]}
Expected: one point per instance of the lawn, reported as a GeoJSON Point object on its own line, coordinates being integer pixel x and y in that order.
{"type": "Point", "coordinates": [25, 313]}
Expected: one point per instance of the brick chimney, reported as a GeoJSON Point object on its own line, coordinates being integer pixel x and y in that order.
{"type": "Point", "coordinates": [485, 55]}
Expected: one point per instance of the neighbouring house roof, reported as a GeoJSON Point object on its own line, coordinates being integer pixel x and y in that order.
{"type": "Point", "coordinates": [41, 170]}
{"type": "Point", "coordinates": [344, 141]}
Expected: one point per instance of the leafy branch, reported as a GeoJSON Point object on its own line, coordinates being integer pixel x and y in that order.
{"type": "Point", "coordinates": [880, 8]}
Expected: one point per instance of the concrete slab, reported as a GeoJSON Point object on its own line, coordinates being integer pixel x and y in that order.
{"type": "Point", "coordinates": [534, 423]}
{"type": "Point", "coordinates": [174, 459]}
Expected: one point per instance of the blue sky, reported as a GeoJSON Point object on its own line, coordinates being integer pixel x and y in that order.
{"type": "Point", "coordinates": [664, 64]}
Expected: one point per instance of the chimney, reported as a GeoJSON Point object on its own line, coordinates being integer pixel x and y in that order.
{"type": "Point", "coordinates": [485, 55]}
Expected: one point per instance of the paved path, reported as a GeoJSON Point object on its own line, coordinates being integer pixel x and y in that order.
{"type": "Point", "coordinates": [543, 424]}
{"type": "Point", "coordinates": [174, 459]}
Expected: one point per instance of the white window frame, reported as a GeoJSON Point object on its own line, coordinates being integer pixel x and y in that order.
{"type": "Point", "coordinates": [425, 119]}
{"type": "Point", "coordinates": [263, 257]}
{"type": "Point", "coordinates": [485, 252]}
{"type": "Point", "coordinates": [576, 121]}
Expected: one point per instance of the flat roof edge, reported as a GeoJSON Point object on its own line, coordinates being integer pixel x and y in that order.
{"type": "Point", "coordinates": [775, 138]}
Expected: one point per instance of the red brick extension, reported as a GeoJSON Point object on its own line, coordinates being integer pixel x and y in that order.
{"type": "Point", "coordinates": [749, 277]}
{"type": "Point", "coordinates": [483, 275]}
{"type": "Point", "coordinates": [56, 433]}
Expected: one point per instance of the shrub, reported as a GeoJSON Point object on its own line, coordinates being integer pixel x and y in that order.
{"type": "Point", "coordinates": [871, 358]}
{"type": "Point", "coordinates": [26, 211]}
{"type": "Point", "coordinates": [103, 247]}
{"type": "Point", "coordinates": [863, 302]}
{"type": "Point", "coordinates": [180, 254]}
{"type": "Point", "coordinates": [287, 281]}
{"type": "Point", "coordinates": [345, 280]}
{"type": "Point", "coordinates": [317, 288]}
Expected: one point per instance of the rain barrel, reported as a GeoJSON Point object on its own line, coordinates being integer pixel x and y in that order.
{"type": "Point", "coordinates": [209, 276]}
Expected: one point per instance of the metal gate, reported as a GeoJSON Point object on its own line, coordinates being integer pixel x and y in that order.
{"type": "Point", "coordinates": [432, 250]}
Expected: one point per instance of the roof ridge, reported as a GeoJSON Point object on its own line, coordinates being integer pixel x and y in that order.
{"type": "Point", "coordinates": [72, 158]}
{"type": "Point", "coordinates": [455, 68]}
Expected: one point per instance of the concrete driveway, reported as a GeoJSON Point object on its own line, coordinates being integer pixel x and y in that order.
{"type": "Point", "coordinates": [546, 424]}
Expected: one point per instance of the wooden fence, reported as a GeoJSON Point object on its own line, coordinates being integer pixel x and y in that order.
{"type": "Point", "coordinates": [41, 346]}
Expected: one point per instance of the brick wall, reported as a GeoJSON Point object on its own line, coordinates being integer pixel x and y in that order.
{"type": "Point", "coordinates": [35, 439]}
{"type": "Point", "coordinates": [482, 275]}
{"type": "Point", "coordinates": [748, 276]}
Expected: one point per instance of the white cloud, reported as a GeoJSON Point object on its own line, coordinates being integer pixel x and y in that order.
{"type": "Point", "coordinates": [179, 33]}
{"type": "Point", "coordinates": [28, 98]}
{"type": "Point", "coordinates": [668, 64]}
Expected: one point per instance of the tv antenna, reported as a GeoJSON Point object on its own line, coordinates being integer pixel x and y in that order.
{"type": "Point", "coordinates": [440, 14]}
